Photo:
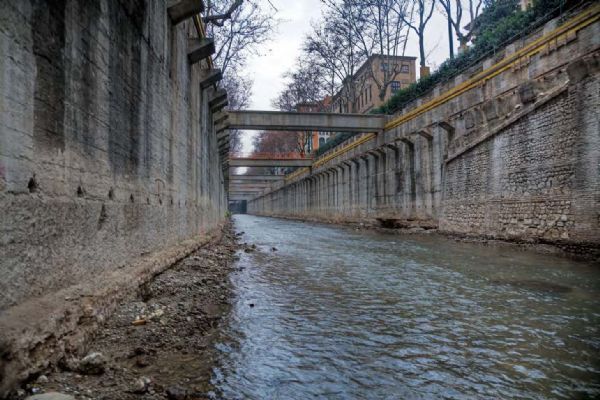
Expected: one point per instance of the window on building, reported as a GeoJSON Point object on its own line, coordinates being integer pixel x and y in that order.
{"type": "Point", "coordinates": [384, 66]}
{"type": "Point", "coordinates": [321, 141]}
{"type": "Point", "coordinates": [395, 86]}
{"type": "Point", "coordinates": [405, 69]}
{"type": "Point", "coordinates": [370, 92]}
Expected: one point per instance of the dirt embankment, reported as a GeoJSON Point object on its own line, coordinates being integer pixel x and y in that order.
{"type": "Point", "coordinates": [158, 345]}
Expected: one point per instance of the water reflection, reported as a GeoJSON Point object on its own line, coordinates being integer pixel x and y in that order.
{"type": "Point", "coordinates": [339, 314]}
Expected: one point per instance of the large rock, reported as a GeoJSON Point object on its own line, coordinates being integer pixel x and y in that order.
{"type": "Point", "coordinates": [177, 393]}
{"type": "Point", "coordinates": [92, 364]}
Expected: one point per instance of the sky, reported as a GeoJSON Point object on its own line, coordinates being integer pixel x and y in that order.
{"type": "Point", "coordinates": [267, 68]}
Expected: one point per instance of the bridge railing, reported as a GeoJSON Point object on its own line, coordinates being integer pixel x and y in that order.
{"type": "Point", "coordinates": [269, 156]}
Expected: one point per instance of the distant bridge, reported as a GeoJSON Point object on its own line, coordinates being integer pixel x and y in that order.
{"type": "Point", "coordinates": [305, 121]}
{"type": "Point", "coordinates": [256, 178]}
{"type": "Point", "coordinates": [269, 160]}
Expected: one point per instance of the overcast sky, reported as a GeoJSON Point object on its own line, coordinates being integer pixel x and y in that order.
{"type": "Point", "coordinates": [279, 54]}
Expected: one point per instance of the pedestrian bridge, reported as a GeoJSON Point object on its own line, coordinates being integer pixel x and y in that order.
{"type": "Point", "coordinates": [305, 121]}
{"type": "Point", "coordinates": [269, 160]}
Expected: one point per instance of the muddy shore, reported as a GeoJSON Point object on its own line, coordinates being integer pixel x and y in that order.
{"type": "Point", "coordinates": [157, 345]}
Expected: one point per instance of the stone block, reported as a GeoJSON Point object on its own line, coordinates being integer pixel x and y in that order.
{"type": "Point", "coordinates": [219, 96]}
{"type": "Point", "coordinates": [219, 106]}
{"type": "Point", "coordinates": [221, 127]}
{"type": "Point", "coordinates": [220, 117]}
{"type": "Point", "coordinates": [200, 49]}
{"type": "Point", "coordinates": [182, 10]}
{"type": "Point", "coordinates": [490, 110]}
{"type": "Point", "coordinates": [527, 92]}
{"type": "Point", "coordinates": [210, 77]}
{"type": "Point", "coordinates": [577, 70]}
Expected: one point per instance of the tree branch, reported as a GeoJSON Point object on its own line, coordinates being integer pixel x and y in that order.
{"type": "Point", "coordinates": [219, 19]}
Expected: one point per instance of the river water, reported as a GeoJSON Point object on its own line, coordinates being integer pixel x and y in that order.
{"type": "Point", "coordinates": [336, 313]}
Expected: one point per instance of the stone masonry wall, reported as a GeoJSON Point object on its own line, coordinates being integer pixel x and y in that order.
{"type": "Point", "coordinates": [107, 149]}
{"type": "Point", "coordinates": [510, 150]}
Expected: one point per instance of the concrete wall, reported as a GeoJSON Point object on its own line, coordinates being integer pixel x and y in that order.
{"type": "Point", "coordinates": [107, 150]}
{"type": "Point", "coordinates": [509, 150]}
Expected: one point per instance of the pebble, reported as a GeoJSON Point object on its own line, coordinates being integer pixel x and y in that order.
{"type": "Point", "coordinates": [42, 379]}
{"type": "Point", "coordinates": [142, 385]}
{"type": "Point", "coordinates": [142, 362]}
{"type": "Point", "coordinates": [92, 364]}
{"type": "Point", "coordinates": [176, 393]}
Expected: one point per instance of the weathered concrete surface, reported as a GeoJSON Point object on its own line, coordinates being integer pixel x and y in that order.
{"type": "Point", "coordinates": [516, 156]}
{"type": "Point", "coordinates": [107, 152]}
{"type": "Point", "coordinates": [300, 121]}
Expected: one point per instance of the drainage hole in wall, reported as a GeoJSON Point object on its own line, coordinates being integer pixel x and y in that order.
{"type": "Point", "coordinates": [80, 191]}
{"type": "Point", "coordinates": [131, 198]}
{"type": "Point", "coordinates": [32, 185]}
{"type": "Point", "coordinates": [103, 216]}
{"type": "Point", "coordinates": [111, 194]}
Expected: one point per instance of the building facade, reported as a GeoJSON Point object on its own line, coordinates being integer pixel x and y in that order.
{"type": "Point", "coordinates": [374, 83]}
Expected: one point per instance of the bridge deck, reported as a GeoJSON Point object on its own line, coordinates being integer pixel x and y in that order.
{"type": "Point", "coordinates": [302, 121]}
{"type": "Point", "coordinates": [274, 162]}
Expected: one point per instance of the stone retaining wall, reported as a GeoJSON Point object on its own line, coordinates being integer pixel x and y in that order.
{"type": "Point", "coordinates": [508, 150]}
{"type": "Point", "coordinates": [107, 155]}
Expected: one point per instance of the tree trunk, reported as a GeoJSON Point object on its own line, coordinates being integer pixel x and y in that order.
{"type": "Point", "coordinates": [422, 48]}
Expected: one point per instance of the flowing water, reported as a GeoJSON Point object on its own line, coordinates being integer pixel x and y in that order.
{"type": "Point", "coordinates": [335, 313]}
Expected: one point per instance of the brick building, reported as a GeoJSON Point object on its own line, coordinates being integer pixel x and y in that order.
{"type": "Point", "coordinates": [399, 70]}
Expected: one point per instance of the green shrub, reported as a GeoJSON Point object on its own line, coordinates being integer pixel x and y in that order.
{"type": "Point", "coordinates": [334, 141]}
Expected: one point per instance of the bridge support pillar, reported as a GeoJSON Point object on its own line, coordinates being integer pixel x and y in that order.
{"type": "Point", "coordinates": [410, 194]}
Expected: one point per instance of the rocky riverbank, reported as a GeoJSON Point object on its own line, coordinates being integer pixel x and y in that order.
{"type": "Point", "coordinates": [157, 345]}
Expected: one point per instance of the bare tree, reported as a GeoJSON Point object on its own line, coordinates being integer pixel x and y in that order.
{"type": "Point", "coordinates": [306, 83]}
{"type": "Point", "coordinates": [423, 10]}
{"type": "Point", "coordinates": [355, 30]}
{"type": "Point", "coordinates": [338, 45]}
{"type": "Point", "coordinates": [455, 10]}
{"type": "Point", "coordinates": [306, 87]}
{"type": "Point", "coordinates": [219, 19]}
{"type": "Point", "coordinates": [385, 28]}
{"type": "Point", "coordinates": [275, 142]}
{"type": "Point", "coordinates": [238, 96]}
{"type": "Point", "coordinates": [239, 29]}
